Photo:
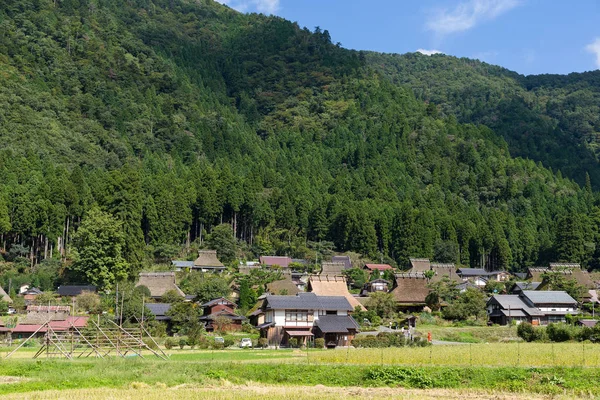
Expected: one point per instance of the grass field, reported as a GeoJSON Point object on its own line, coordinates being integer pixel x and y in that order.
{"type": "Point", "coordinates": [508, 370]}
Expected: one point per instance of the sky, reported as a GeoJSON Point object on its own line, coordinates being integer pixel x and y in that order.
{"type": "Point", "coordinates": [526, 36]}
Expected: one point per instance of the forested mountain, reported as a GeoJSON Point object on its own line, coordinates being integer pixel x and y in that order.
{"type": "Point", "coordinates": [176, 116]}
{"type": "Point", "coordinates": [550, 118]}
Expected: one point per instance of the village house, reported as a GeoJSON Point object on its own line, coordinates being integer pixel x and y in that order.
{"type": "Point", "coordinates": [410, 291]}
{"type": "Point", "coordinates": [40, 319]}
{"type": "Point", "coordinates": [333, 286]}
{"type": "Point", "coordinates": [221, 311]}
{"type": "Point", "coordinates": [440, 270]}
{"type": "Point", "coordinates": [520, 286]}
{"type": "Point", "coordinates": [536, 307]}
{"type": "Point", "coordinates": [4, 297]}
{"type": "Point", "coordinates": [275, 261]}
{"type": "Point", "coordinates": [207, 261]}
{"type": "Point", "coordinates": [307, 316]}
{"type": "Point", "coordinates": [480, 276]}
{"type": "Point", "coordinates": [376, 285]}
{"type": "Point", "coordinates": [344, 260]}
{"type": "Point", "coordinates": [159, 283]}
{"type": "Point", "coordinates": [285, 286]}
{"type": "Point", "coordinates": [378, 268]}
{"type": "Point", "coordinates": [332, 268]}
{"type": "Point", "coordinates": [30, 294]}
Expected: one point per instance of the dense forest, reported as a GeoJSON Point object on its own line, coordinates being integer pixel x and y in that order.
{"type": "Point", "coordinates": [174, 117]}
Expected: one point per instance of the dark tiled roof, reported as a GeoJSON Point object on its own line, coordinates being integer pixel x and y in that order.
{"type": "Point", "coordinates": [158, 309]}
{"type": "Point", "coordinates": [548, 297]}
{"type": "Point", "coordinates": [526, 285]}
{"type": "Point", "coordinates": [75, 290]}
{"type": "Point", "coordinates": [472, 272]}
{"type": "Point", "coordinates": [336, 323]}
{"type": "Point", "coordinates": [308, 301]}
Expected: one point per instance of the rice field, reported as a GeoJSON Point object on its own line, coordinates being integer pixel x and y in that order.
{"type": "Point", "coordinates": [465, 355]}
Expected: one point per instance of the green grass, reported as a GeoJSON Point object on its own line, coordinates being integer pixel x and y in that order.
{"type": "Point", "coordinates": [513, 367]}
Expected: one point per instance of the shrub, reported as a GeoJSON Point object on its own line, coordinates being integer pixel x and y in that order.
{"type": "Point", "coordinates": [228, 342]}
{"type": "Point", "coordinates": [151, 344]}
{"type": "Point", "coordinates": [182, 343]}
{"type": "Point", "coordinates": [247, 327]}
{"type": "Point", "coordinates": [293, 342]}
{"type": "Point", "coordinates": [526, 331]}
{"type": "Point", "coordinates": [558, 332]}
{"type": "Point", "coordinates": [263, 342]}
{"type": "Point", "coordinates": [192, 341]}
{"type": "Point", "coordinates": [169, 344]}
{"type": "Point", "coordinates": [319, 343]}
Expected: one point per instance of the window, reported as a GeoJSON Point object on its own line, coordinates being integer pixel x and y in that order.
{"type": "Point", "coordinates": [331, 312]}
{"type": "Point", "coordinates": [298, 316]}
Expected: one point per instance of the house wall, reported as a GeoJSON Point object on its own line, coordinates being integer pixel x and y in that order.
{"type": "Point", "coordinates": [564, 308]}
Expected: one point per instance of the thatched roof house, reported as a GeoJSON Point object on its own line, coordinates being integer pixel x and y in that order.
{"type": "Point", "coordinates": [159, 283]}
{"type": "Point", "coordinates": [410, 289]}
{"type": "Point", "coordinates": [285, 286]}
{"type": "Point", "coordinates": [325, 285]}
{"type": "Point", "coordinates": [332, 268]}
{"type": "Point", "coordinates": [4, 297]}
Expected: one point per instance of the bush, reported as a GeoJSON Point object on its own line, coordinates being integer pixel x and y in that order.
{"type": "Point", "coordinates": [169, 343]}
{"type": "Point", "coordinates": [151, 343]}
{"type": "Point", "coordinates": [526, 331]}
{"type": "Point", "coordinates": [228, 342]}
{"type": "Point", "coordinates": [263, 342]}
{"type": "Point", "coordinates": [192, 341]}
{"type": "Point", "coordinates": [182, 343]}
{"type": "Point", "coordinates": [319, 343]}
{"type": "Point", "coordinates": [248, 328]}
{"type": "Point", "coordinates": [558, 332]}
{"type": "Point", "coordinates": [293, 342]}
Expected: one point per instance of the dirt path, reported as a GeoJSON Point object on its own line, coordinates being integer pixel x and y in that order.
{"type": "Point", "coordinates": [252, 391]}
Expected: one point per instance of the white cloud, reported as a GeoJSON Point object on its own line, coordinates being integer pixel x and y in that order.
{"type": "Point", "coordinates": [261, 6]}
{"type": "Point", "coordinates": [594, 48]}
{"type": "Point", "coordinates": [429, 52]}
{"type": "Point", "coordinates": [467, 14]}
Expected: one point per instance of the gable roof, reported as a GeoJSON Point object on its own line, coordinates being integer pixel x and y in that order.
{"type": "Point", "coordinates": [308, 301]}
{"type": "Point", "coordinates": [526, 286]}
{"type": "Point", "coordinates": [332, 268]}
{"type": "Point", "coordinates": [287, 284]}
{"type": "Point", "coordinates": [182, 264]}
{"type": "Point", "coordinates": [548, 297]}
{"type": "Point", "coordinates": [75, 290]}
{"type": "Point", "coordinates": [556, 265]}
{"type": "Point", "coordinates": [336, 323]}
{"type": "Point", "coordinates": [220, 300]}
{"type": "Point", "coordinates": [332, 286]}
{"type": "Point", "coordinates": [208, 259]}
{"type": "Point", "coordinates": [343, 259]}
{"type": "Point", "coordinates": [579, 275]}
{"type": "Point", "coordinates": [410, 290]}
{"type": "Point", "coordinates": [472, 272]}
{"type": "Point", "coordinates": [513, 303]}
{"type": "Point", "coordinates": [380, 267]}
{"type": "Point", "coordinates": [283, 262]}
{"type": "Point", "coordinates": [159, 283]}
{"type": "Point", "coordinates": [4, 297]}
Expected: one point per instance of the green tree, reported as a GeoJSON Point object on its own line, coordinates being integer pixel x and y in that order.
{"type": "Point", "coordinates": [97, 250]}
{"type": "Point", "coordinates": [383, 304]}
{"type": "Point", "coordinates": [205, 287]}
{"type": "Point", "coordinates": [222, 240]}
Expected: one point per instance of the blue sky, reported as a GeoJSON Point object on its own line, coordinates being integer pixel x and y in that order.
{"type": "Point", "coordinates": [527, 36]}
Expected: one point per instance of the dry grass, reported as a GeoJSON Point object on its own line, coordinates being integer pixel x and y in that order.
{"type": "Point", "coordinates": [226, 391]}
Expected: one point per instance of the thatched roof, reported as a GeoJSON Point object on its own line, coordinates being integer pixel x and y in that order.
{"type": "Point", "coordinates": [326, 285]}
{"type": "Point", "coordinates": [208, 258]}
{"type": "Point", "coordinates": [285, 285]}
{"type": "Point", "coordinates": [410, 289]}
{"type": "Point", "coordinates": [43, 314]}
{"type": "Point", "coordinates": [582, 277]}
{"type": "Point", "coordinates": [159, 283]}
{"type": "Point", "coordinates": [420, 264]}
{"type": "Point", "coordinates": [332, 268]}
{"type": "Point", "coordinates": [4, 297]}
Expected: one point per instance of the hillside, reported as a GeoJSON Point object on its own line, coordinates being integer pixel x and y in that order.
{"type": "Point", "coordinates": [554, 119]}
{"type": "Point", "coordinates": [176, 116]}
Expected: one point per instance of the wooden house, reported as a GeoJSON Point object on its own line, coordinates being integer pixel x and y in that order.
{"type": "Point", "coordinates": [332, 268]}
{"type": "Point", "coordinates": [218, 310]}
{"type": "Point", "coordinates": [410, 291]}
{"type": "Point", "coordinates": [535, 307]}
{"type": "Point", "coordinates": [306, 316]}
